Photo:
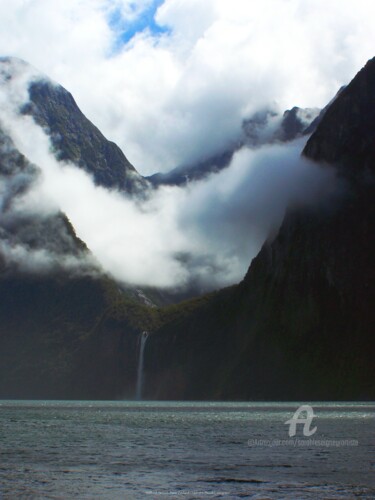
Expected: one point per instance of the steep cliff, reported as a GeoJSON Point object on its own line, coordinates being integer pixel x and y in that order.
{"type": "Point", "coordinates": [301, 323]}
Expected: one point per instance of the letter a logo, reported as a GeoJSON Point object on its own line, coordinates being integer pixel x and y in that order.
{"type": "Point", "coordinates": [305, 421]}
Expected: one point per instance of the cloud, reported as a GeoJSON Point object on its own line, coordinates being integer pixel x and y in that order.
{"type": "Point", "coordinates": [136, 243]}
{"type": "Point", "coordinates": [43, 261]}
{"type": "Point", "coordinates": [174, 97]}
{"type": "Point", "coordinates": [34, 235]}
{"type": "Point", "coordinates": [203, 235]}
{"type": "Point", "coordinates": [232, 213]}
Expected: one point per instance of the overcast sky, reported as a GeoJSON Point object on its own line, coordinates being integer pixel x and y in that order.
{"type": "Point", "coordinates": [170, 81]}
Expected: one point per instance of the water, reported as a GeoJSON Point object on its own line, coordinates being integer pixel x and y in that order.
{"type": "Point", "coordinates": [144, 337]}
{"type": "Point", "coordinates": [138, 450]}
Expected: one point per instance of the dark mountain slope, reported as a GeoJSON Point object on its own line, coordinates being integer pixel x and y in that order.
{"type": "Point", "coordinates": [73, 136]}
{"type": "Point", "coordinates": [301, 325]}
{"type": "Point", "coordinates": [346, 136]}
{"type": "Point", "coordinates": [77, 140]}
{"type": "Point", "coordinates": [180, 176]}
{"type": "Point", "coordinates": [67, 337]}
{"type": "Point", "coordinates": [66, 330]}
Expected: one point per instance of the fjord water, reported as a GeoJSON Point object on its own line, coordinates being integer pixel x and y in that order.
{"type": "Point", "coordinates": [127, 450]}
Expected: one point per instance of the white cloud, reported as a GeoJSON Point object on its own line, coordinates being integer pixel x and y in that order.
{"type": "Point", "coordinates": [204, 234]}
{"type": "Point", "coordinates": [173, 98]}
{"type": "Point", "coordinates": [130, 10]}
{"type": "Point", "coordinates": [136, 243]}
{"type": "Point", "coordinates": [43, 261]}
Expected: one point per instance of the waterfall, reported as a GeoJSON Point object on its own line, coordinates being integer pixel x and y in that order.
{"type": "Point", "coordinates": [138, 394]}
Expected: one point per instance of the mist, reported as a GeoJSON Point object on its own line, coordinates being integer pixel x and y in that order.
{"type": "Point", "coordinates": [34, 234]}
{"type": "Point", "coordinates": [205, 233]}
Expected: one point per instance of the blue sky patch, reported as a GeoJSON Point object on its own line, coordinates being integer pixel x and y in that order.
{"type": "Point", "coordinates": [126, 29]}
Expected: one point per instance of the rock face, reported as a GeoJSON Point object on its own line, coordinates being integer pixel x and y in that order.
{"type": "Point", "coordinates": [297, 122]}
{"type": "Point", "coordinates": [268, 126]}
{"type": "Point", "coordinates": [73, 136]}
{"type": "Point", "coordinates": [301, 325]}
{"type": "Point", "coordinates": [346, 135]}
{"type": "Point", "coordinates": [77, 140]}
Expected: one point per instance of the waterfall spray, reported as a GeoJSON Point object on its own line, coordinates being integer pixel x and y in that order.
{"type": "Point", "coordinates": [138, 394]}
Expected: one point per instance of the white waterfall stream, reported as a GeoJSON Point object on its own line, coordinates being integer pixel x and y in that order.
{"type": "Point", "coordinates": [143, 340]}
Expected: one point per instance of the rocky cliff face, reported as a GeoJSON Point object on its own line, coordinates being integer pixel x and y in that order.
{"type": "Point", "coordinates": [346, 135]}
{"type": "Point", "coordinates": [301, 324]}
{"type": "Point", "coordinates": [297, 122]}
{"type": "Point", "coordinates": [73, 136]}
{"type": "Point", "coordinates": [77, 140]}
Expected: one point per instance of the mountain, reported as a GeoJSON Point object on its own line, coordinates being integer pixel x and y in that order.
{"type": "Point", "coordinates": [184, 174]}
{"type": "Point", "coordinates": [73, 136]}
{"type": "Point", "coordinates": [264, 127]}
{"type": "Point", "coordinates": [301, 323]}
{"type": "Point", "coordinates": [299, 326]}
{"type": "Point", "coordinates": [346, 135]}
{"type": "Point", "coordinates": [297, 122]}
{"type": "Point", "coordinates": [267, 127]}
{"type": "Point", "coordinates": [66, 329]}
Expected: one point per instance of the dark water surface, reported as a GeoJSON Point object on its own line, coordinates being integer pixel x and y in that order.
{"type": "Point", "coordinates": [126, 450]}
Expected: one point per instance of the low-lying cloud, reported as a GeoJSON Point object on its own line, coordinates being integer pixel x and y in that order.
{"type": "Point", "coordinates": [34, 235]}
{"type": "Point", "coordinates": [203, 234]}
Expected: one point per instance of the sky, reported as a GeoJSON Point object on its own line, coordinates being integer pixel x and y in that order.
{"type": "Point", "coordinates": [144, 19]}
{"type": "Point", "coordinates": [171, 82]}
